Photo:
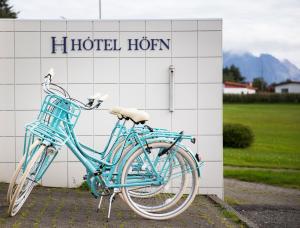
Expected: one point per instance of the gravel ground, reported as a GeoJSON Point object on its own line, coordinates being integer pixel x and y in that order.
{"type": "Point", "coordinates": [265, 205]}
{"type": "Point", "coordinates": [60, 207]}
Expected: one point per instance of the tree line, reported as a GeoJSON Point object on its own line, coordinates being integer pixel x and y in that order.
{"type": "Point", "coordinates": [7, 11]}
{"type": "Point", "coordinates": [233, 74]}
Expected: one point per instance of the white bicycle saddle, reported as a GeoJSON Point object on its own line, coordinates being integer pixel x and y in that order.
{"type": "Point", "coordinates": [131, 113]}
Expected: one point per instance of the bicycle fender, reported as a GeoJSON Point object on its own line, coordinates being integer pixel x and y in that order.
{"type": "Point", "coordinates": [134, 149]}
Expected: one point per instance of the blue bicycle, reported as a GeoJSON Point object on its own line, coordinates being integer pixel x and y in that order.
{"type": "Point", "coordinates": [150, 168]}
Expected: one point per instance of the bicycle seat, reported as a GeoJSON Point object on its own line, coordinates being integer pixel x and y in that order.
{"type": "Point", "coordinates": [137, 116]}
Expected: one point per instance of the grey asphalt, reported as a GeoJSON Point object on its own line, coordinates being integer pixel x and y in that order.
{"type": "Point", "coordinates": [60, 207]}
{"type": "Point", "coordinates": [265, 205]}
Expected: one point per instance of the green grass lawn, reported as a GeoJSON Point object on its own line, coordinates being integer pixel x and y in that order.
{"type": "Point", "coordinates": [277, 139]}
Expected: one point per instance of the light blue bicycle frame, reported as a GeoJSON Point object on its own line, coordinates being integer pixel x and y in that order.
{"type": "Point", "coordinates": [100, 171]}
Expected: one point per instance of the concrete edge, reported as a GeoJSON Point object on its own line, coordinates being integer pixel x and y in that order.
{"type": "Point", "coordinates": [227, 207]}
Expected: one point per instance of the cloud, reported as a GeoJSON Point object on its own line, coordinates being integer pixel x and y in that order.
{"type": "Point", "coordinates": [257, 26]}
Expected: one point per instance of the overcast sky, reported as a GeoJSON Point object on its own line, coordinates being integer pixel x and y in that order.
{"type": "Point", "coordinates": [257, 26]}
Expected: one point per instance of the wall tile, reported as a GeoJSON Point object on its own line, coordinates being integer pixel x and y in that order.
{"type": "Point", "coordinates": [158, 25]}
{"type": "Point", "coordinates": [113, 94]}
{"type": "Point", "coordinates": [132, 95]}
{"type": "Point", "coordinates": [27, 44]}
{"type": "Point", "coordinates": [29, 100]}
{"type": "Point", "coordinates": [106, 25]}
{"type": "Point", "coordinates": [160, 119]}
{"type": "Point", "coordinates": [7, 97]}
{"type": "Point", "coordinates": [210, 148]}
{"type": "Point", "coordinates": [23, 118]}
{"type": "Point", "coordinates": [185, 70]}
{"type": "Point", "coordinates": [77, 25]}
{"type": "Point", "coordinates": [6, 170]}
{"type": "Point", "coordinates": [132, 25]}
{"type": "Point", "coordinates": [212, 174]}
{"type": "Point", "coordinates": [56, 175]}
{"type": "Point", "coordinates": [104, 122]}
{"type": "Point", "coordinates": [185, 120]}
{"type": "Point", "coordinates": [7, 25]}
{"type": "Point", "coordinates": [132, 70]}
{"type": "Point", "coordinates": [62, 155]}
{"type": "Point", "coordinates": [19, 148]}
{"type": "Point", "coordinates": [7, 123]}
{"type": "Point", "coordinates": [210, 122]}
{"type": "Point", "coordinates": [210, 43]}
{"type": "Point", "coordinates": [185, 96]}
{"type": "Point", "coordinates": [157, 70]}
{"type": "Point", "coordinates": [81, 92]}
{"type": "Point", "coordinates": [7, 152]}
{"type": "Point", "coordinates": [210, 70]}
{"type": "Point", "coordinates": [76, 171]}
{"type": "Point", "coordinates": [210, 96]}
{"type": "Point", "coordinates": [7, 44]}
{"type": "Point", "coordinates": [84, 125]}
{"type": "Point", "coordinates": [54, 25]}
{"type": "Point", "coordinates": [59, 66]}
{"type": "Point", "coordinates": [58, 50]}
{"type": "Point", "coordinates": [7, 71]}
{"type": "Point", "coordinates": [100, 142]}
{"type": "Point", "coordinates": [106, 70]}
{"type": "Point", "coordinates": [28, 71]}
{"type": "Point", "coordinates": [157, 96]}
{"type": "Point", "coordinates": [184, 44]}
{"type": "Point", "coordinates": [184, 25]}
{"type": "Point", "coordinates": [79, 74]}
{"type": "Point", "coordinates": [210, 24]}
{"type": "Point", "coordinates": [111, 49]}
{"type": "Point", "coordinates": [27, 25]}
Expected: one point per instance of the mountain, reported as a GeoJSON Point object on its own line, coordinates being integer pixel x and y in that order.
{"type": "Point", "coordinates": [265, 65]}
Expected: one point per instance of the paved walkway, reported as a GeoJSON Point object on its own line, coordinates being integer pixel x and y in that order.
{"type": "Point", "coordinates": [265, 205]}
{"type": "Point", "coordinates": [59, 207]}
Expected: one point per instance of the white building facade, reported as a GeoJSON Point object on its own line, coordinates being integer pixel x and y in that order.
{"type": "Point", "coordinates": [238, 88]}
{"type": "Point", "coordinates": [130, 61]}
{"type": "Point", "coordinates": [288, 87]}
{"type": "Point", "coordinates": [238, 91]}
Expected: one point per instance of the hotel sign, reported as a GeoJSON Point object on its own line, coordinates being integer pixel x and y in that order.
{"type": "Point", "coordinates": [67, 44]}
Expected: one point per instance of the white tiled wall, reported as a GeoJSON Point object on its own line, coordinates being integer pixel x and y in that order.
{"type": "Point", "coordinates": [132, 78]}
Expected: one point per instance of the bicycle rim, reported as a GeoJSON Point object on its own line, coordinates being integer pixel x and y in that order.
{"type": "Point", "coordinates": [173, 199]}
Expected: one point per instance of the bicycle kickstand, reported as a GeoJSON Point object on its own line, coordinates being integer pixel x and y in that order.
{"type": "Point", "coordinates": [99, 205]}
{"type": "Point", "coordinates": [111, 199]}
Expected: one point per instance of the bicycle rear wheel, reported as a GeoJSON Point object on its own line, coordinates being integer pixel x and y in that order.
{"type": "Point", "coordinates": [28, 181]}
{"type": "Point", "coordinates": [176, 192]}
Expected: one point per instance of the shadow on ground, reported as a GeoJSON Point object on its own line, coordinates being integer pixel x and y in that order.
{"type": "Point", "coordinates": [60, 207]}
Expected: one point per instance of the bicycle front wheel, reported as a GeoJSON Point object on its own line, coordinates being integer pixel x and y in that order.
{"type": "Point", "coordinates": [28, 181]}
{"type": "Point", "coordinates": [15, 180]}
{"type": "Point", "coordinates": [177, 190]}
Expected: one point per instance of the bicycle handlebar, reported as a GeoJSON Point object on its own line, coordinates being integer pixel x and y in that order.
{"type": "Point", "coordinates": [93, 102]}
